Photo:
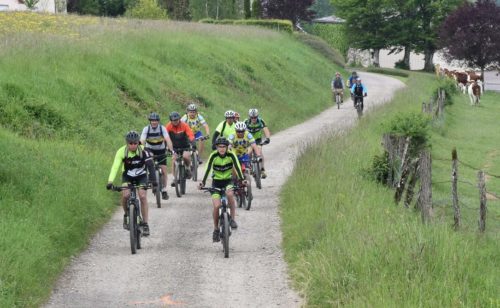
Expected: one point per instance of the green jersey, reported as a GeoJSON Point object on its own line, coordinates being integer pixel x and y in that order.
{"type": "Point", "coordinates": [221, 167]}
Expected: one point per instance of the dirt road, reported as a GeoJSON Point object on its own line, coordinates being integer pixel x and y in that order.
{"type": "Point", "coordinates": [179, 264]}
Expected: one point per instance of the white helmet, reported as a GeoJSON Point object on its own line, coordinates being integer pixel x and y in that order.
{"type": "Point", "coordinates": [253, 112]}
{"type": "Point", "coordinates": [191, 107]}
{"type": "Point", "coordinates": [240, 126]}
{"type": "Point", "coordinates": [229, 114]}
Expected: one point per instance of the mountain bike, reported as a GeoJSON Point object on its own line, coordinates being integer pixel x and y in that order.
{"type": "Point", "coordinates": [224, 218]}
{"type": "Point", "coordinates": [338, 98]}
{"type": "Point", "coordinates": [134, 216]}
{"type": "Point", "coordinates": [194, 159]}
{"type": "Point", "coordinates": [255, 170]}
{"type": "Point", "coordinates": [159, 177]}
{"type": "Point", "coordinates": [358, 104]}
{"type": "Point", "coordinates": [180, 172]}
{"type": "Point", "coordinates": [243, 193]}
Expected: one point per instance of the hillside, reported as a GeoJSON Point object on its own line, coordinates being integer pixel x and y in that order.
{"type": "Point", "coordinates": [71, 87]}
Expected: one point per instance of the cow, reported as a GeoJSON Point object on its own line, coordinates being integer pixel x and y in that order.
{"type": "Point", "coordinates": [461, 78]}
{"type": "Point", "coordinates": [474, 91]}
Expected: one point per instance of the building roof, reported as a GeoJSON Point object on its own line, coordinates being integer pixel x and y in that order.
{"type": "Point", "coordinates": [329, 20]}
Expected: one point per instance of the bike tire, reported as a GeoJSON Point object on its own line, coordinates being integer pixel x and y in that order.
{"type": "Point", "coordinates": [337, 99]}
{"type": "Point", "coordinates": [225, 234]}
{"type": "Point", "coordinates": [177, 181]}
{"type": "Point", "coordinates": [182, 176]}
{"type": "Point", "coordinates": [257, 175]}
{"type": "Point", "coordinates": [248, 195]}
{"type": "Point", "coordinates": [138, 223]}
{"type": "Point", "coordinates": [157, 190]}
{"type": "Point", "coordinates": [194, 166]}
{"type": "Point", "coordinates": [132, 225]}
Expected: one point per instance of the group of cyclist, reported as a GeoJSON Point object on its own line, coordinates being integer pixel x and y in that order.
{"type": "Point", "coordinates": [355, 85]}
{"type": "Point", "coordinates": [232, 143]}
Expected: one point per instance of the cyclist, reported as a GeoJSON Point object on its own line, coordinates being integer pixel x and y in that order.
{"type": "Point", "coordinates": [352, 79]}
{"type": "Point", "coordinates": [358, 90]}
{"type": "Point", "coordinates": [196, 121]}
{"type": "Point", "coordinates": [242, 144]}
{"type": "Point", "coordinates": [236, 116]}
{"type": "Point", "coordinates": [155, 138]}
{"type": "Point", "coordinates": [338, 87]}
{"type": "Point", "coordinates": [225, 128]}
{"type": "Point", "coordinates": [256, 125]}
{"type": "Point", "coordinates": [133, 160]}
{"type": "Point", "coordinates": [182, 137]}
{"type": "Point", "coordinates": [221, 164]}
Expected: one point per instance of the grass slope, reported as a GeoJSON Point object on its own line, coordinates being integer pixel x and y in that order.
{"type": "Point", "coordinates": [349, 245]}
{"type": "Point", "coordinates": [71, 88]}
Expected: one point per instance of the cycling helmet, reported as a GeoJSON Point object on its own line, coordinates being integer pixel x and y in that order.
{"type": "Point", "coordinates": [337, 74]}
{"type": "Point", "coordinates": [191, 107]}
{"type": "Point", "coordinates": [229, 114]}
{"type": "Point", "coordinates": [240, 126]}
{"type": "Point", "coordinates": [358, 79]}
{"type": "Point", "coordinates": [236, 114]}
{"type": "Point", "coordinates": [132, 136]}
{"type": "Point", "coordinates": [222, 140]}
{"type": "Point", "coordinates": [354, 73]}
{"type": "Point", "coordinates": [153, 116]}
{"type": "Point", "coordinates": [253, 112]}
{"type": "Point", "coordinates": [174, 116]}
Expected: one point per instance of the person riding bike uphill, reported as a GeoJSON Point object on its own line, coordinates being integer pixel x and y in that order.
{"type": "Point", "coordinates": [225, 128]}
{"type": "Point", "coordinates": [352, 79]}
{"type": "Point", "coordinates": [182, 138]}
{"type": "Point", "coordinates": [359, 90]}
{"type": "Point", "coordinates": [236, 117]}
{"type": "Point", "coordinates": [221, 164]}
{"type": "Point", "coordinates": [196, 121]}
{"type": "Point", "coordinates": [242, 144]}
{"type": "Point", "coordinates": [256, 125]}
{"type": "Point", "coordinates": [133, 160]}
{"type": "Point", "coordinates": [155, 138]}
{"type": "Point", "coordinates": [338, 87]}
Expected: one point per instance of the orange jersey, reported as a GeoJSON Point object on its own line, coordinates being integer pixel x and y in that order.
{"type": "Point", "coordinates": [180, 134]}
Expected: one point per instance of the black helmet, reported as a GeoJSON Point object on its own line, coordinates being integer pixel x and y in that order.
{"type": "Point", "coordinates": [132, 136]}
{"type": "Point", "coordinates": [153, 116]}
{"type": "Point", "coordinates": [222, 140]}
{"type": "Point", "coordinates": [174, 116]}
{"type": "Point", "coordinates": [354, 73]}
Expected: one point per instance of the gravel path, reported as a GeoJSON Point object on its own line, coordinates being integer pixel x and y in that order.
{"type": "Point", "coordinates": [179, 265]}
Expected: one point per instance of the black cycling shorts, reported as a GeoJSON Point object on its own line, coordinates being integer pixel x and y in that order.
{"type": "Point", "coordinates": [160, 157]}
{"type": "Point", "coordinates": [139, 181]}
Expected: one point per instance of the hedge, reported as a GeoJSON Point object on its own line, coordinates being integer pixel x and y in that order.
{"type": "Point", "coordinates": [275, 24]}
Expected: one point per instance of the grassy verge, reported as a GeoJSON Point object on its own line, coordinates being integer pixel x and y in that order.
{"type": "Point", "coordinates": [346, 242]}
{"type": "Point", "coordinates": [70, 89]}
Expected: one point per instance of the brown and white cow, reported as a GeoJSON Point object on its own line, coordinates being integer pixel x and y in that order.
{"type": "Point", "coordinates": [474, 91]}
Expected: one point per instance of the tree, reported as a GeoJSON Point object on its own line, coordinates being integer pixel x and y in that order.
{"type": "Point", "coordinates": [246, 8]}
{"type": "Point", "coordinates": [322, 8]}
{"type": "Point", "coordinates": [257, 9]}
{"type": "Point", "coordinates": [430, 16]}
{"type": "Point", "coordinates": [472, 35]}
{"type": "Point", "coordinates": [366, 24]}
{"type": "Point", "coordinates": [293, 10]}
{"type": "Point", "coordinates": [147, 9]}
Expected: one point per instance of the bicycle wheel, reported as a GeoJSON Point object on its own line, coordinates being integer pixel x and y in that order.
{"type": "Point", "coordinates": [225, 234]}
{"type": "Point", "coordinates": [359, 108]}
{"type": "Point", "coordinates": [177, 180]}
{"type": "Point", "coordinates": [138, 223]}
{"type": "Point", "coordinates": [256, 174]}
{"type": "Point", "coordinates": [182, 177]}
{"type": "Point", "coordinates": [157, 190]}
{"type": "Point", "coordinates": [337, 99]}
{"type": "Point", "coordinates": [248, 195]}
{"type": "Point", "coordinates": [194, 166]}
{"type": "Point", "coordinates": [132, 226]}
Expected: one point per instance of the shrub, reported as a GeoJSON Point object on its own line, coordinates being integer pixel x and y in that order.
{"type": "Point", "coordinates": [380, 168]}
{"type": "Point", "coordinates": [275, 24]}
{"type": "Point", "coordinates": [414, 125]}
{"type": "Point", "coordinates": [449, 87]}
{"type": "Point", "coordinates": [401, 65]}
{"type": "Point", "coordinates": [333, 34]}
{"type": "Point", "coordinates": [146, 9]}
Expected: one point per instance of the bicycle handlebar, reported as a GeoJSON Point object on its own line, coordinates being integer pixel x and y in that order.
{"type": "Point", "coordinates": [129, 186]}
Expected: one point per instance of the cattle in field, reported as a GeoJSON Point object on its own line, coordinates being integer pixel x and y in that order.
{"type": "Point", "coordinates": [474, 91]}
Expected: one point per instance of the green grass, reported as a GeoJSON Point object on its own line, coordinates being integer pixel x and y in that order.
{"type": "Point", "coordinates": [66, 102]}
{"type": "Point", "coordinates": [349, 245]}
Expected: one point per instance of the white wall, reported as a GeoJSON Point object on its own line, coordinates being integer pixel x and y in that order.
{"type": "Point", "coordinates": [14, 5]}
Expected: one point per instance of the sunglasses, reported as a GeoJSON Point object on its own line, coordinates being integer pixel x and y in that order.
{"type": "Point", "coordinates": [221, 146]}
{"type": "Point", "coordinates": [253, 117]}
{"type": "Point", "coordinates": [133, 143]}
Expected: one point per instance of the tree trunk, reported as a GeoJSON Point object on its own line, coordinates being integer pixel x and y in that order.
{"type": "Point", "coordinates": [429, 61]}
{"type": "Point", "coordinates": [376, 57]}
{"type": "Point", "coordinates": [406, 57]}
{"type": "Point", "coordinates": [482, 79]}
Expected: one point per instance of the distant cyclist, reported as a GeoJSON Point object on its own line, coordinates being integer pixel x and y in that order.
{"type": "Point", "coordinates": [359, 90]}
{"type": "Point", "coordinates": [256, 125]}
{"type": "Point", "coordinates": [338, 87]}
{"type": "Point", "coordinates": [236, 117]}
{"type": "Point", "coordinates": [352, 79]}
{"type": "Point", "coordinates": [155, 138]}
{"type": "Point", "coordinates": [242, 144]}
{"type": "Point", "coordinates": [220, 165]}
{"type": "Point", "coordinates": [225, 128]}
{"type": "Point", "coordinates": [195, 120]}
{"type": "Point", "coordinates": [182, 138]}
{"type": "Point", "coordinates": [133, 160]}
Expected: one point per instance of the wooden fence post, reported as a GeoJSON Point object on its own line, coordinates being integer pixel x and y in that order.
{"type": "Point", "coordinates": [454, 189]}
{"type": "Point", "coordinates": [410, 190]}
{"type": "Point", "coordinates": [425, 198]}
{"type": "Point", "coordinates": [482, 197]}
{"type": "Point", "coordinates": [405, 170]}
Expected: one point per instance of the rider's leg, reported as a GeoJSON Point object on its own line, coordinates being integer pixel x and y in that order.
{"type": "Point", "coordinates": [144, 204]}
{"type": "Point", "coordinates": [187, 159]}
{"type": "Point", "coordinates": [201, 148]}
{"type": "Point", "coordinates": [164, 176]}
{"type": "Point", "coordinates": [215, 214]}
{"type": "Point", "coordinates": [125, 195]}
{"type": "Point", "coordinates": [232, 203]}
